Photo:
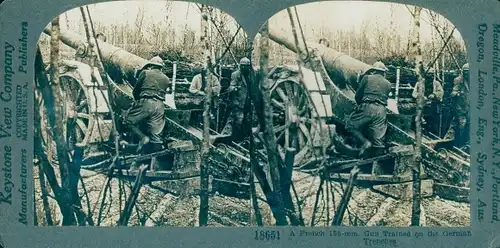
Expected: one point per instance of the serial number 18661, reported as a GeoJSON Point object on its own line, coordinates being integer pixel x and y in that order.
{"type": "Point", "coordinates": [267, 235]}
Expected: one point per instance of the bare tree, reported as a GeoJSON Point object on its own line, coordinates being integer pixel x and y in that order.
{"type": "Point", "coordinates": [276, 199]}
{"type": "Point", "coordinates": [54, 106]}
{"type": "Point", "coordinates": [417, 51]}
{"type": "Point", "coordinates": [203, 216]}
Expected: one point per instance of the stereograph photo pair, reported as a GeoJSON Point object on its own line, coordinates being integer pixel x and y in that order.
{"type": "Point", "coordinates": [337, 122]}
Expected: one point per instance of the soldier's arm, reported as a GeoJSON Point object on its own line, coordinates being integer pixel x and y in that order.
{"type": "Point", "coordinates": [414, 94]}
{"type": "Point", "coordinates": [195, 86]}
{"type": "Point", "coordinates": [137, 88]}
{"type": "Point", "coordinates": [361, 90]}
{"type": "Point", "coordinates": [234, 80]}
{"type": "Point", "coordinates": [167, 85]}
{"type": "Point", "coordinates": [456, 87]}
{"type": "Point", "coordinates": [217, 86]}
{"type": "Point", "coordinates": [438, 90]}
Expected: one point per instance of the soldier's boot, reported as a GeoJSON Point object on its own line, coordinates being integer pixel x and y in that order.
{"type": "Point", "coordinates": [365, 143]}
{"type": "Point", "coordinates": [339, 146]}
{"type": "Point", "coordinates": [144, 139]}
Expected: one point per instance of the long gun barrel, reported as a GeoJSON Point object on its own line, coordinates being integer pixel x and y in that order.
{"type": "Point", "coordinates": [342, 68]}
{"type": "Point", "coordinates": [113, 57]}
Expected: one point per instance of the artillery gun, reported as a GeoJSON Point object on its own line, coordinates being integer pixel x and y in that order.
{"type": "Point", "coordinates": [330, 78]}
{"type": "Point", "coordinates": [89, 105]}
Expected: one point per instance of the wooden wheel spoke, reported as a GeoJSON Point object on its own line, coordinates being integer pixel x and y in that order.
{"type": "Point", "coordinates": [278, 104]}
{"type": "Point", "coordinates": [83, 115]}
{"type": "Point", "coordinates": [81, 125]}
{"type": "Point", "coordinates": [303, 128]}
{"type": "Point", "coordinates": [282, 94]}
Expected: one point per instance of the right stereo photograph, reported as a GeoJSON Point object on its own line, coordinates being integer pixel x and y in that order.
{"type": "Point", "coordinates": [355, 106]}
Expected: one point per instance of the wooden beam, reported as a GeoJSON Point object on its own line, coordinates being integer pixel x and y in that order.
{"type": "Point", "coordinates": [404, 190]}
{"type": "Point", "coordinates": [160, 175]}
{"type": "Point", "coordinates": [370, 178]}
{"type": "Point", "coordinates": [453, 193]}
{"type": "Point", "coordinates": [370, 160]}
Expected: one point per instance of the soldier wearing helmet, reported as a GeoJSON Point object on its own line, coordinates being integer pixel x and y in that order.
{"type": "Point", "coordinates": [239, 90]}
{"type": "Point", "coordinates": [368, 122]}
{"type": "Point", "coordinates": [146, 117]}
{"type": "Point", "coordinates": [433, 96]}
{"type": "Point", "coordinates": [460, 94]}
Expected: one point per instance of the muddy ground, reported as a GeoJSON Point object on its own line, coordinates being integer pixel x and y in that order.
{"type": "Point", "coordinates": [156, 208]}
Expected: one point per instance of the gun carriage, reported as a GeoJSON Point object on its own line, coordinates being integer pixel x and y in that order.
{"type": "Point", "coordinates": [330, 80]}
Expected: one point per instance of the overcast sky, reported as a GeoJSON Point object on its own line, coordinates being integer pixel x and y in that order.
{"type": "Point", "coordinates": [333, 15]}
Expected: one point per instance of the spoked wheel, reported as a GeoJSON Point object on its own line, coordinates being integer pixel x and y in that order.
{"type": "Point", "coordinates": [77, 118]}
{"type": "Point", "coordinates": [78, 113]}
{"type": "Point", "coordinates": [292, 119]}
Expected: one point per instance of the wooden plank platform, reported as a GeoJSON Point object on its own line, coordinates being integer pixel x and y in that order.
{"type": "Point", "coordinates": [216, 139]}
{"type": "Point", "coordinates": [405, 190]}
{"type": "Point", "coordinates": [369, 160]}
{"type": "Point", "coordinates": [453, 193]}
{"type": "Point", "coordinates": [370, 178]}
{"type": "Point", "coordinates": [160, 175]}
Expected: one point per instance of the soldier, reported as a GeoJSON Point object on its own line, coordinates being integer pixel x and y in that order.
{"type": "Point", "coordinates": [239, 90]}
{"type": "Point", "coordinates": [199, 84]}
{"type": "Point", "coordinates": [146, 117]}
{"type": "Point", "coordinates": [368, 122]}
{"type": "Point", "coordinates": [433, 88]}
{"type": "Point", "coordinates": [200, 81]}
{"type": "Point", "coordinates": [433, 97]}
{"type": "Point", "coordinates": [460, 93]}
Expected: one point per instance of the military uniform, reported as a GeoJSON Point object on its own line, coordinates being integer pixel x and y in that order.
{"type": "Point", "coordinates": [460, 93]}
{"type": "Point", "coordinates": [433, 91]}
{"type": "Point", "coordinates": [242, 91]}
{"type": "Point", "coordinates": [198, 86]}
{"type": "Point", "coordinates": [368, 122]}
{"type": "Point", "coordinates": [433, 95]}
{"type": "Point", "coordinates": [148, 111]}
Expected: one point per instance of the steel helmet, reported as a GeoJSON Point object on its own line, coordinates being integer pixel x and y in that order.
{"type": "Point", "coordinates": [465, 67]}
{"type": "Point", "coordinates": [157, 61]}
{"type": "Point", "coordinates": [379, 66]}
{"type": "Point", "coordinates": [245, 61]}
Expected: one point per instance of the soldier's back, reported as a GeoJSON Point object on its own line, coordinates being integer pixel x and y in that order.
{"type": "Point", "coordinates": [155, 80]}
{"type": "Point", "coordinates": [377, 87]}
